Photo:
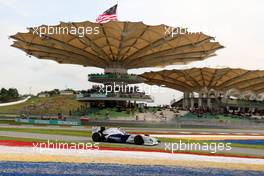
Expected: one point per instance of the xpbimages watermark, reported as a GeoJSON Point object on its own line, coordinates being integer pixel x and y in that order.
{"type": "Point", "coordinates": [61, 30]}
{"type": "Point", "coordinates": [80, 146]}
{"type": "Point", "coordinates": [171, 32]}
{"type": "Point", "coordinates": [212, 147]}
{"type": "Point", "coordinates": [125, 88]}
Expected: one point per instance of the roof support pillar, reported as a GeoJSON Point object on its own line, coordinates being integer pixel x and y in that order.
{"type": "Point", "coordinates": [192, 103]}
{"type": "Point", "coordinates": [209, 104]}
{"type": "Point", "coordinates": [185, 101]}
{"type": "Point", "coordinates": [200, 100]}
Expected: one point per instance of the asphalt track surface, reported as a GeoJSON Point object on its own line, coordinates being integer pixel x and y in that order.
{"type": "Point", "coordinates": [69, 169]}
{"type": "Point", "coordinates": [162, 146]}
{"type": "Point", "coordinates": [92, 169]}
{"type": "Point", "coordinates": [157, 130]}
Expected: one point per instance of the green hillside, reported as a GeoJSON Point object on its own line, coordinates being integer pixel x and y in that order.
{"type": "Point", "coordinates": [50, 105]}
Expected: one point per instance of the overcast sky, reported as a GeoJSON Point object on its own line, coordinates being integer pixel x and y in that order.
{"type": "Point", "coordinates": [236, 24]}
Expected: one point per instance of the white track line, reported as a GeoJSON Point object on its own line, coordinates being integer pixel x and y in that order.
{"type": "Point", "coordinates": [207, 136]}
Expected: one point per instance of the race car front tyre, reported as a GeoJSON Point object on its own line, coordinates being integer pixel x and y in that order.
{"type": "Point", "coordinates": [97, 137]}
{"type": "Point", "coordinates": [139, 140]}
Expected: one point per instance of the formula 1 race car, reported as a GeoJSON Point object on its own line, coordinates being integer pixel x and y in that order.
{"type": "Point", "coordinates": [116, 135]}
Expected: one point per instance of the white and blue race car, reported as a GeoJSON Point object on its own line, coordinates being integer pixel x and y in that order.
{"type": "Point", "coordinates": [116, 135]}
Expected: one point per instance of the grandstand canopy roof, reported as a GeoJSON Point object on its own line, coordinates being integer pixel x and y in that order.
{"type": "Point", "coordinates": [127, 44]}
{"type": "Point", "coordinates": [196, 79]}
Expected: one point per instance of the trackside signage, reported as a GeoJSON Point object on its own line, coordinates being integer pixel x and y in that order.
{"type": "Point", "coordinates": [48, 122]}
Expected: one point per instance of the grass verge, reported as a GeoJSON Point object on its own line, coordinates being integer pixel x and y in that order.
{"type": "Point", "coordinates": [50, 131]}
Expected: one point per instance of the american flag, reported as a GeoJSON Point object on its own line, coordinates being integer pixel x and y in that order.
{"type": "Point", "coordinates": [108, 15]}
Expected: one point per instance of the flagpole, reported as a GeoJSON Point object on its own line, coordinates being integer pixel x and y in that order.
{"type": "Point", "coordinates": [117, 10]}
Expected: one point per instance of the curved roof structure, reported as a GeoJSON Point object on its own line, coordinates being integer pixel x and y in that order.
{"type": "Point", "coordinates": [126, 44]}
{"type": "Point", "coordinates": [196, 79]}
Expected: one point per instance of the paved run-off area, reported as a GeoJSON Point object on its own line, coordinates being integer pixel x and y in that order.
{"type": "Point", "coordinates": [30, 160]}
{"type": "Point", "coordinates": [92, 169]}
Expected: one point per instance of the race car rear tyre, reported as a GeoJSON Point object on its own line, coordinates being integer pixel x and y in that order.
{"type": "Point", "coordinates": [139, 140]}
{"type": "Point", "coordinates": [97, 137]}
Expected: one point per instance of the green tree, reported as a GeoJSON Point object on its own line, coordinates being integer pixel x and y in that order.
{"type": "Point", "coordinates": [8, 95]}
